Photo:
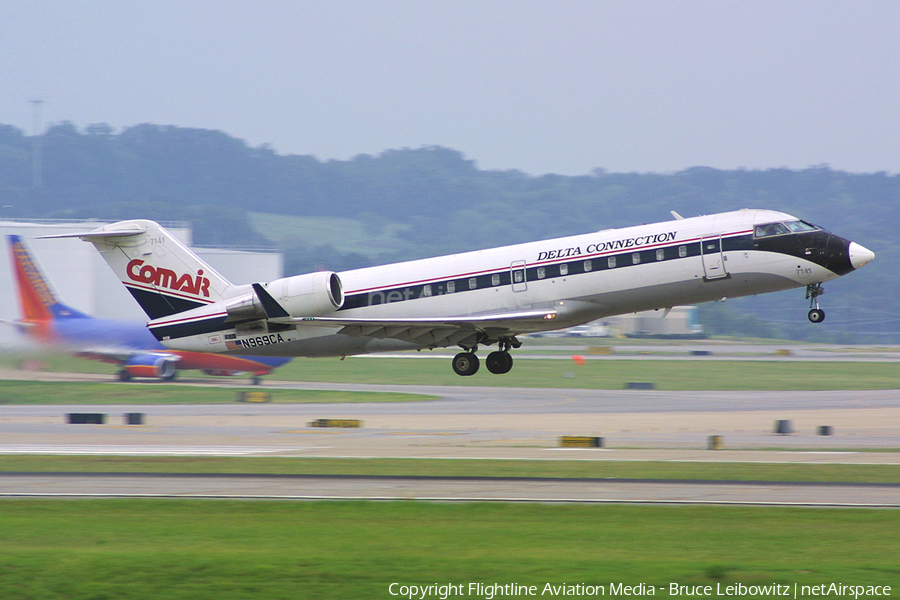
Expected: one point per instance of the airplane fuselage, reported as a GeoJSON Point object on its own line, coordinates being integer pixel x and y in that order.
{"type": "Point", "coordinates": [575, 279]}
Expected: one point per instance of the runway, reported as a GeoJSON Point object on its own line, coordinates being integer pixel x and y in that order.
{"type": "Point", "coordinates": [456, 489]}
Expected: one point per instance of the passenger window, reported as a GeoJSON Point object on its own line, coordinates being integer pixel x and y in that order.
{"type": "Point", "coordinates": [588, 265]}
{"type": "Point", "coordinates": [473, 283]}
{"type": "Point", "coordinates": [495, 279]}
{"type": "Point", "coordinates": [451, 287]}
{"type": "Point", "coordinates": [682, 251]}
{"type": "Point", "coordinates": [541, 273]}
{"type": "Point", "coordinates": [426, 291]}
{"type": "Point", "coordinates": [636, 259]}
{"type": "Point", "coordinates": [611, 261]}
{"type": "Point", "coordinates": [660, 254]}
{"type": "Point", "coordinates": [563, 269]}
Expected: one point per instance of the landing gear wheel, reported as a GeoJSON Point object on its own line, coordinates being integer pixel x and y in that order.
{"type": "Point", "coordinates": [466, 363]}
{"type": "Point", "coordinates": [123, 375]}
{"type": "Point", "coordinates": [816, 315]}
{"type": "Point", "coordinates": [499, 362]}
{"type": "Point", "coordinates": [813, 291]}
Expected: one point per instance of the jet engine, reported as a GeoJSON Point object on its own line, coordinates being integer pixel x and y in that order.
{"type": "Point", "coordinates": [310, 295]}
{"type": "Point", "coordinates": [149, 365]}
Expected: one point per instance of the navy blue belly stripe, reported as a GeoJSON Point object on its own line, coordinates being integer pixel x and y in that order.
{"type": "Point", "coordinates": [189, 328]}
{"type": "Point", "coordinates": [158, 305]}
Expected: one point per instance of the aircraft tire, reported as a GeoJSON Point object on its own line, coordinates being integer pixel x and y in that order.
{"type": "Point", "coordinates": [466, 363]}
{"type": "Point", "coordinates": [499, 362]}
{"type": "Point", "coordinates": [123, 375]}
{"type": "Point", "coordinates": [816, 315]}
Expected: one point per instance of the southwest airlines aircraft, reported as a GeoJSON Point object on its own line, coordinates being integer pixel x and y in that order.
{"type": "Point", "coordinates": [473, 299]}
{"type": "Point", "coordinates": [130, 345]}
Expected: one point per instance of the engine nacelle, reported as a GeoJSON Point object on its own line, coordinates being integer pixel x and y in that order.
{"type": "Point", "coordinates": [310, 295]}
{"type": "Point", "coordinates": [150, 365]}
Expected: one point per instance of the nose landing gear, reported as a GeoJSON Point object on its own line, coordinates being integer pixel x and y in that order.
{"type": "Point", "coordinates": [813, 291]}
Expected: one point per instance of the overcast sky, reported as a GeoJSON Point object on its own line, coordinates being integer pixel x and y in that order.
{"type": "Point", "coordinates": [541, 86]}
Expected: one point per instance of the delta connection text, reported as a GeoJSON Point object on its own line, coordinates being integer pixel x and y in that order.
{"type": "Point", "coordinates": [600, 247]}
{"type": "Point", "coordinates": [490, 591]}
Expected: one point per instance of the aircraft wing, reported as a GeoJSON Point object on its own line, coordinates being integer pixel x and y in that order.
{"type": "Point", "coordinates": [14, 323]}
{"type": "Point", "coordinates": [124, 355]}
{"type": "Point", "coordinates": [434, 331]}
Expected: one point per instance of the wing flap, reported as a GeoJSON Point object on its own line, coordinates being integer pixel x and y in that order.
{"type": "Point", "coordinates": [508, 320]}
{"type": "Point", "coordinates": [430, 331]}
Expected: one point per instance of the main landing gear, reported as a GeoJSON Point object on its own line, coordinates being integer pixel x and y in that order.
{"type": "Point", "coordinates": [813, 291]}
{"type": "Point", "coordinates": [497, 362]}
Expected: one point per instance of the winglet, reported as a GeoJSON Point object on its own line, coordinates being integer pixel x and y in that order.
{"type": "Point", "coordinates": [269, 304]}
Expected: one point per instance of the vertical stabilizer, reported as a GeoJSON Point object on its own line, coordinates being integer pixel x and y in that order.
{"type": "Point", "coordinates": [162, 274]}
{"type": "Point", "coordinates": [36, 298]}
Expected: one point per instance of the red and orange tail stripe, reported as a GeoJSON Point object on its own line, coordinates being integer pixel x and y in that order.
{"type": "Point", "coordinates": [35, 296]}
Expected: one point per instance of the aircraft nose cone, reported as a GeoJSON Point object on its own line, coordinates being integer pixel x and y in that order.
{"type": "Point", "coordinates": [860, 255]}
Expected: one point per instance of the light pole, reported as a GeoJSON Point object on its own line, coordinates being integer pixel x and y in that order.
{"type": "Point", "coordinates": [36, 139]}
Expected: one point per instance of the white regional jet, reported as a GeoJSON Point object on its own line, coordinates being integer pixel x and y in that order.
{"type": "Point", "coordinates": [477, 298]}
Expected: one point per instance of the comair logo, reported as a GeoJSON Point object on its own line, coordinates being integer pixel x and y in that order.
{"type": "Point", "coordinates": [167, 278]}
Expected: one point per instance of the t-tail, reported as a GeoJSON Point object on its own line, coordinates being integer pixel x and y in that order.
{"type": "Point", "coordinates": [39, 303]}
{"type": "Point", "coordinates": [162, 274]}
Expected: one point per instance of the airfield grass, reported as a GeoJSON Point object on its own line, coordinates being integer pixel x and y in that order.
{"type": "Point", "coordinates": [221, 550]}
{"type": "Point", "coordinates": [670, 375]}
{"type": "Point", "coordinates": [410, 467]}
{"type": "Point", "coordinates": [46, 392]}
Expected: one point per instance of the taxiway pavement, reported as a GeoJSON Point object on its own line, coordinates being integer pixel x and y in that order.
{"type": "Point", "coordinates": [94, 485]}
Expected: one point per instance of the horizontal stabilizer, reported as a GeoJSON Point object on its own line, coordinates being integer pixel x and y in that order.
{"type": "Point", "coordinates": [124, 230]}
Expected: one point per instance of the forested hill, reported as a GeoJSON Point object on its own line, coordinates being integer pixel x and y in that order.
{"type": "Point", "coordinates": [428, 201]}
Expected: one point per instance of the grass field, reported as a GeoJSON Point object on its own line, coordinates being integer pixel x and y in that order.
{"type": "Point", "coordinates": [600, 374]}
{"type": "Point", "coordinates": [218, 550]}
{"type": "Point", "coordinates": [42, 392]}
{"type": "Point", "coordinates": [458, 468]}
{"type": "Point", "coordinates": [672, 375]}
{"type": "Point", "coordinates": [346, 235]}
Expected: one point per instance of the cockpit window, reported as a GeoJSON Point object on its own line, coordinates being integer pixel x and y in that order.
{"type": "Point", "coordinates": [800, 226]}
{"type": "Point", "coordinates": [783, 228]}
{"type": "Point", "coordinates": [770, 229]}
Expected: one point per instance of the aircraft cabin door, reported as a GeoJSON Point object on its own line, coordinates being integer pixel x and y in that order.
{"type": "Point", "coordinates": [713, 258]}
{"type": "Point", "coordinates": [517, 276]}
